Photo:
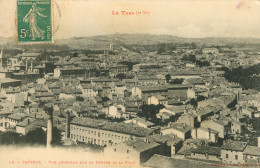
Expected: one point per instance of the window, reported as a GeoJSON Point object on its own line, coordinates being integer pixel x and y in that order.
{"type": "Point", "coordinates": [226, 155]}
{"type": "Point", "coordinates": [98, 134]}
{"type": "Point", "coordinates": [236, 157]}
{"type": "Point", "coordinates": [115, 150]}
{"type": "Point", "coordinates": [127, 151]}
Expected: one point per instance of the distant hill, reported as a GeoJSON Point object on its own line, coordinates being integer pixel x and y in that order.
{"type": "Point", "coordinates": [102, 41]}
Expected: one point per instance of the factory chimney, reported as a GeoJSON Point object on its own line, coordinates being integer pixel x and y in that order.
{"type": "Point", "coordinates": [31, 65]}
{"type": "Point", "coordinates": [49, 111]}
{"type": "Point", "coordinates": [26, 65]}
{"type": "Point", "coordinates": [68, 125]}
{"type": "Point", "coordinates": [258, 142]}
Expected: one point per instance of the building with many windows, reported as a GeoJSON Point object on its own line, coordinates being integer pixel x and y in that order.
{"type": "Point", "coordinates": [104, 133]}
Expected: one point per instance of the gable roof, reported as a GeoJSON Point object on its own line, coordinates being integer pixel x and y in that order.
{"type": "Point", "coordinates": [234, 146]}
{"type": "Point", "coordinates": [252, 150]}
{"type": "Point", "coordinates": [140, 145]}
{"type": "Point", "coordinates": [207, 149]}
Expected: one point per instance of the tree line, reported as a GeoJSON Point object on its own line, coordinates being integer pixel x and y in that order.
{"type": "Point", "coordinates": [247, 77]}
{"type": "Point", "coordinates": [34, 137]}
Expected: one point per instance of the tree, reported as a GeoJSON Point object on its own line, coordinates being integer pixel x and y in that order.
{"type": "Point", "coordinates": [202, 63]}
{"type": "Point", "coordinates": [75, 54]}
{"type": "Point", "coordinates": [8, 138]}
{"type": "Point", "coordinates": [150, 111]}
{"type": "Point", "coordinates": [79, 98]}
{"type": "Point", "coordinates": [37, 136]}
{"type": "Point", "coordinates": [177, 81]}
{"type": "Point", "coordinates": [48, 108]}
{"type": "Point", "coordinates": [168, 77]}
{"type": "Point", "coordinates": [56, 137]}
{"type": "Point", "coordinates": [189, 58]}
{"type": "Point", "coordinates": [193, 102]}
{"type": "Point", "coordinates": [201, 98]}
{"type": "Point", "coordinates": [121, 76]}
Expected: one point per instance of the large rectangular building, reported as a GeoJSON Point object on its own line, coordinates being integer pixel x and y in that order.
{"type": "Point", "coordinates": [104, 133]}
{"type": "Point", "coordinates": [8, 82]}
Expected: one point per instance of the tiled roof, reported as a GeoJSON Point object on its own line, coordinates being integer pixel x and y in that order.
{"type": "Point", "coordinates": [16, 116]}
{"type": "Point", "coordinates": [178, 126]}
{"type": "Point", "coordinates": [112, 126]}
{"type": "Point", "coordinates": [171, 139]}
{"type": "Point", "coordinates": [140, 145]}
{"type": "Point", "coordinates": [252, 150]}
{"type": "Point", "coordinates": [234, 146]}
{"type": "Point", "coordinates": [207, 149]}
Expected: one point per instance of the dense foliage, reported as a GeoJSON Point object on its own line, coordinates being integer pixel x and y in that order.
{"type": "Point", "coordinates": [247, 77]}
{"type": "Point", "coordinates": [150, 111]}
{"type": "Point", "coordinates": [34, 137]}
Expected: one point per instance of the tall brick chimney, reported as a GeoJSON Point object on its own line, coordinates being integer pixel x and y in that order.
{"type": "Point", "coordinates": [49, 126]}
{"type": "Point", "coordinates": [68, 125]}
{"type": "Point", "coordinates": [258, 142]}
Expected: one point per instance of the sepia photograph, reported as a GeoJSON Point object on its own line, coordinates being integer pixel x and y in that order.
{"type": "Point", "coordinates": [129, 83]}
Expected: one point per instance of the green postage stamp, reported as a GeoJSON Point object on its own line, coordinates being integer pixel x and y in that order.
{"type": "Point", "coordinates": [34, 21]}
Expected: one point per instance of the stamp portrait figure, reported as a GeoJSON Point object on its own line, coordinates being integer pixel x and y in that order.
{"type": "Point", "coordinates": [32, 17]}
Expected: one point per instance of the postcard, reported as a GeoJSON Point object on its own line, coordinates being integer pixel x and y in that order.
{"type": "Point", "coordinates": [129, 83]}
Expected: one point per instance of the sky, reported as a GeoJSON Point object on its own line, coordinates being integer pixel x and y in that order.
{"type": "Point", "coordinates": [184, 18]}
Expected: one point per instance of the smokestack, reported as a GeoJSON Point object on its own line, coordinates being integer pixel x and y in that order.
{"type": "Point", "coordinates": [209, 133]}
{"type": "Point", "coordinates": [49, 127]}
{"type": "Point", "coordinates": [258, 140]}
{"type": "Point", "coordinates": [31, 65]}
{"type": "Point", "coordinates": [26, 65]}
{"type": "Point", "coordinates": [68, 125]}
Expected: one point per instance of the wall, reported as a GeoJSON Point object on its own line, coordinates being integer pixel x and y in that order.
{"type": "Point", "coordinates": [231, 156]}
{"type": "Point", "coordinates": [96, 136]}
